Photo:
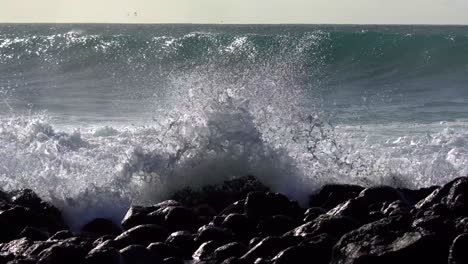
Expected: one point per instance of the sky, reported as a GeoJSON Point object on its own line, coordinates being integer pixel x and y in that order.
{"type": "Point", "coordinates": [236, 11]}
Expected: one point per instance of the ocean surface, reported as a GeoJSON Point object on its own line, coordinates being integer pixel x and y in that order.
{"type": "Point", "coordinates": [97, 117]}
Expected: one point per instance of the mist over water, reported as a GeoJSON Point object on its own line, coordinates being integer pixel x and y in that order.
{"type": "Point", "coordinates": [95, 118]}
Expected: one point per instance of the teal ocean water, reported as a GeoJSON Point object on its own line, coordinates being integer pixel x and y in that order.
{"type": "Point", "coordinates": [95, 117]}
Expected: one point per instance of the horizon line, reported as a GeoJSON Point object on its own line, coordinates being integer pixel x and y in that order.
{"type": "Point", "coordinates": [230, 24]}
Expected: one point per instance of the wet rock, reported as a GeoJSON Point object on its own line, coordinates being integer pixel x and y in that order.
{"type": "Point", "coordinates": [205, 251]}
{"type": "Point", "coordinates": [37, 247]}
{"type": "Point", "coordinates": [268, 248]}
{"type": "Point", "coordinates": [136, 254]}
{"type": "Point", "coordinates": [16, 247]}
{"type": "Point", "coordinates": [326, 224]}
{"type": "Point", "coordinates": [333, 194]}
{"type": "Point", "coordinates": [172, 260]}
{"type": "Point", "coordinates": [312, 213]}
{"type": "Point", "coordinates": [276, 225]}
{"type": "Point", "coordinates": [390, 240]}
{"type": "Point", "coordinates": [162, 251]}
{"type": "Point", "coordinates": [101, 227]}
{"type": "Point", "coordinates": [221, 195]}
{"type": "Point", "coordinates": [453, 194]}
{"type": "Point", "coordinates": [234, 249]}
{"type": "Point", "coordinates": [178, 218]}
{"type": "Point", "coordinates": [458, 250]}
{"type": "Point", "coordinates": [239, 224]}
{"type": "Point", "coordinates": [63, 253]}
{"type": "Point", "coordinates": [44, 214]}
{"type": "Point", "coordinates": [184, 241]}
{"type": "Point", "coordinates": [104, 255]}
{"type": "Point", "coordinates": [259, 205]}
{"type": "Point", "coordinates": [142, 235]}
{"type": "Point", "coordinates": [216, 233]}
{"type": "Point", "coordinates": [235, 208]}
{"type": "Point", "coordinates": [137, 215]}
{"type": "Point", "coordinates": [34, 234]}
{"type": "Point", "coordinates": [318, 249]}
{"type": "Point", "coordinates": [60, 235]}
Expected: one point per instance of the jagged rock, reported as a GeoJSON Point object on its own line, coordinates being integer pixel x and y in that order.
{"type": "Point", "coordinates": [326, 224]}
{"type": "Point", "coordinates": [453, 194]}
{"type": "Point", "coordinates": [458, 250]}
{"type": "Point", "coordinates": [259, 205]}
{"type": "Point", "coordinates": [333, 194]}
{"type": "Point", "coordinates": [101, 227]}
{"type": "Point", "coordinates": [136, 254]}
{"type": "Point", "coordinates": [390, 240]}
{"type": "Point", "coordinates": [142, 235]}
{"type": "Point", "coordinates": [177, 218]}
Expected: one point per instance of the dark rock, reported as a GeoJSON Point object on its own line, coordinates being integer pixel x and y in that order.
{"type": "Point", "coordinates": [184, 241]}
{"type": "Point", "coordinates": [390, 240]}
{"type": "Point", "coordinates": [104, 255]}
{"type": "Point", "coordinates": [63, 253]}
{"type": "Point", "coordinates": [332, 225]}
{"type": "Point", "coordinates": [137, 215]}
{"type": "Point", "coordinates": [254, 241]}
{"type": "Point", "coordinates": [101, 227]}
{"type": "Point", "coordinates": [34, 234]}
{"type": "Point", "coordinates": [17, 247]}
{"type": "Point", "coordinates": [136, 254]}
{"type": "Point", "coordinates": [162, 251]}
{"type": "Point", "coordinates": [60, 235]}
{"type": "Point", "coordinates": [259, 205]}
{"type": "Point", "coordinates": [222, 195]}
{"type": "Point", "coordinates": [453, 194]}
{"type": "Point", "coordinates": [312, 213]}
{"type": "Point", "coordinates": [177, 218]}
{"type": "Point", "coordinates": [318, 249]}
{"type": "Point", "coordinates": [414, 196]}
{"type": "Point", "coordinates": [172, 260]}
{"type": "Point", "coordinates": [37, 247]}
{"type": "Point", "coordinates": [276, 225]}
{"type": "Point", "coordinates": [103, 239]}
{"type": "Point", "coordinates": [235, 208]}
{"type": "Point", "coordinates": [44, 214]}
{"type": "Point", "coordinates": [239, 224]}
{"type": "Point", "coordinates": [268, 247]}
{"type": "Point", "coordinates": [234, 249]}
{"type": "Point", "coordinates": [142, 235]}
{"type": "Point", "coordinates": [334, 194]}
{"type": "Point", "coordinates": [216, 233]}
{"type": "Point", "coordinates": [458, 250]}
{"type": "Point", "coordinates": [205, 251]}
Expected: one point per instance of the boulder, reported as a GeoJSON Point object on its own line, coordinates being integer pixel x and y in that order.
{"type": "Point", "coordinates": [137, 254]}
{"type": "Point", "coordinates": [142, 235]}
{"type": "Point", "coordinates": [259, 205]}
{"type": "Point", "coordinates": [333, 194]}
{"type": "Point", "coordinates": [390, 240]}
{"type": "Point", "coordinates": [458, 250]}
{"type": "Point", "coordinates": [184, 241]}
{"type": "Point", "coordinates": [326, 224]}
{"type": "Point", "coordinates": [103, 255]}
{"type": "Point", "coordinates": [276, 225]}
{"type": "Point", "coordinates": [60, 253]}
{"type": "Point", "coordinates": [216, 233]}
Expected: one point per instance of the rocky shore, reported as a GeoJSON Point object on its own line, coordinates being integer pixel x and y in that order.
{"type": "Point", "coordinates": [241, 222]}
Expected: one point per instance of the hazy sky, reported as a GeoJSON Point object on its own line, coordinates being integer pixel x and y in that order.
{"type": "Point", "coordinates": [237, 11]}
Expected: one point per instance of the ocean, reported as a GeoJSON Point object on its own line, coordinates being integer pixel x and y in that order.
{"type": "Point", "coordinates": [97, 117]}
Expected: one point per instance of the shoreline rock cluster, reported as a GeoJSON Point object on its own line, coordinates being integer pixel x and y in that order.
{"type": "Point", "coordinates": [241, 222]}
